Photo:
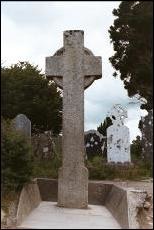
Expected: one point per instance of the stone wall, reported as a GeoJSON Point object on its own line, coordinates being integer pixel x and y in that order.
{"type": "Point", "coordinates": [123, 203]}
{"type": "Point", "coordinates": [135, 201]}
{"type": "Point", "coordinates": [29, 199]}
{"type": "Point", "coordinates": [96, 191]}
{"type": "Point", "coordinates": [116, 202]}
{"type": "Point", "coordinates": [45, 185]}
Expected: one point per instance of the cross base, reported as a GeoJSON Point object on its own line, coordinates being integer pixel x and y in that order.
{"type": "Point", "coordinates": [73, 188]}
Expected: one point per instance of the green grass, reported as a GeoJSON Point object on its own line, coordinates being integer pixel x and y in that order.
{"type": "Point", "coordinates": [47, 167]}
{"type": "Point", "coordinates": [100, 170]}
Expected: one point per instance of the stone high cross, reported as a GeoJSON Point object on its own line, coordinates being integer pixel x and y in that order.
{"type": "Point", "coordinates": [73, 68]}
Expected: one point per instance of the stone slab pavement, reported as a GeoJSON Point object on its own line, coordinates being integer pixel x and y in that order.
{"type": "Point", "coordinates": [49, 216]}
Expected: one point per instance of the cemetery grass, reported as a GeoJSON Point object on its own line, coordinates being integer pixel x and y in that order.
{"type": "Point", "coordinates": [47, 167]}
{"type": "Point", "coordinates": [97, 167]}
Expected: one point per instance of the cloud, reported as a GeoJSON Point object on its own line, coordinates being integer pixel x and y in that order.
{"type": "Point", "coordinates": [33, 30]}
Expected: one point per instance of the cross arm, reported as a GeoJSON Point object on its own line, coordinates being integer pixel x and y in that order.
{"type": "Point", "coordinates": [92, 69]}
{"type": "Point", "coordinates": [54, 67]}
{"type": "Point", "coordinates": [93, 66]}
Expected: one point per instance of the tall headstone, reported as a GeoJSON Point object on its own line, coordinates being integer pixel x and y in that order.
{"type": "Point", "coordinates": [118, 138]}
{"type": "Point", "coordinates": [73, 68]}
{"type": "Point", "coordinates": [23, 124]}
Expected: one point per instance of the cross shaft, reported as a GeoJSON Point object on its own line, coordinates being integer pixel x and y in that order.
{"type": "Point", "coordinates": [73, 71]}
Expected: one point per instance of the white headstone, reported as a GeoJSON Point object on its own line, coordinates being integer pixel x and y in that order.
{"type": "Point", "coordinates": [118, 138]}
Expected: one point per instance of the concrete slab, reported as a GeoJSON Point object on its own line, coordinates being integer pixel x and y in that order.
{"type": "Point", "coordinates": [49, 216]}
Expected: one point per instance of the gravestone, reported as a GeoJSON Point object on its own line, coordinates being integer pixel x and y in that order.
{"type": "Point", "coordinates": [118, 138]}
{"type": "Point", "coordinates": [73, 68]}
{"type": "Point", "coordinates": [94, 143]}
{"type": "Point", "coordinates": [43, 145]}
{"type": "Point", "coordinates": [22, 124]}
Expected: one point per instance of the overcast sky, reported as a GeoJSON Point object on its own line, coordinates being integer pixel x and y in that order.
{"type": "Point", "coordinates": [30, 31]}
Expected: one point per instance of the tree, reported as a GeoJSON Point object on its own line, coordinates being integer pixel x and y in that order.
{"type": "Point", "coordinates": [103, 130]}
{"type": "Point", "coordinates": [16, 158]}
{"type": "Point", "coordinates": [103, 127]}
{"type": "Point", "coordinates": [136, 149]}
{"type": "Point", "coordinates": [146, 128]}
{"type": "Point", "coordinates": [25, 90]}
{"type": "Point", "coordinates": [132, 37]}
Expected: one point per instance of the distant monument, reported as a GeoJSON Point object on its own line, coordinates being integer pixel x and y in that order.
{"type": "Point", "coordinates": [94, 143]}
{"type": "Point", "coordinates": [23, 124]}
{"type": "Point", "coordinates": [118, 138]}
{"type": "Point", "coordinates": [73, 68]}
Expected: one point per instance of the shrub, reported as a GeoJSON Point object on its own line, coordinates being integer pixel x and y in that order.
{"type": "Point", "coordinates": [16, 158]}
{"type": "Point", "coordinates": [136, 149]}
{"type": "Point", "coordinates": [99, 169]}
{"type": "Point", "coordinates": [95, 168]}
{"type": "Point", "coordinates": [47, 167]}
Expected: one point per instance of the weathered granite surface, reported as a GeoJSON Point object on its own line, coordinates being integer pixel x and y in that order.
{"type": "Point", "coordinates": [73, 70]}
